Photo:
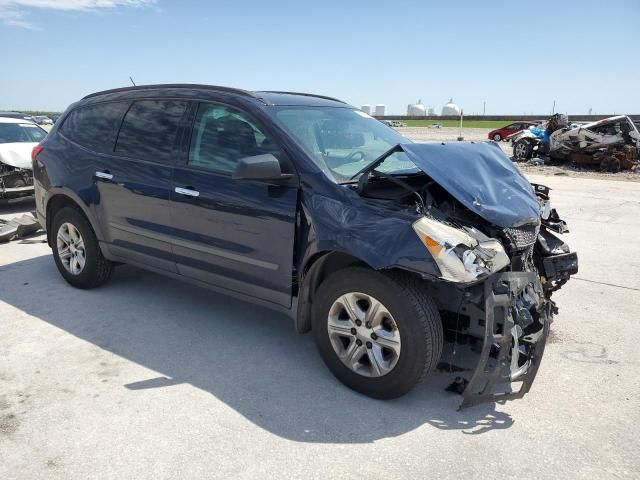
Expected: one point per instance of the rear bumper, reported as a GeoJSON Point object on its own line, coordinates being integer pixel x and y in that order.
{"type": "Point", "coordinates": [517, 319]}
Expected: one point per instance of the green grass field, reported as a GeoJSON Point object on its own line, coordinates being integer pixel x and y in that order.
{"type": "Point", "coordinates": [456, 123]}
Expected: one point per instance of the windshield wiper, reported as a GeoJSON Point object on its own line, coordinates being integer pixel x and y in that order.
{"type": "Point", "coordinates": [374, 164]}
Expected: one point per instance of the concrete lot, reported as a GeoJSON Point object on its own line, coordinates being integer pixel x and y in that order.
{"type": "Point", "coordinates": [150, 378]}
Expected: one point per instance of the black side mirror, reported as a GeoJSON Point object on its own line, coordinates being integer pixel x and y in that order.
{"type": "Point", "coordinates": [259, 167]}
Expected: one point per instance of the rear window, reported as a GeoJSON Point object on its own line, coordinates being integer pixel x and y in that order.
{"type": "Point", "coordinates": [95, 126]}
{"type": "Point", "coordinates": [150, 129]}
{"type": "Point", "coordinates": [20, 133]}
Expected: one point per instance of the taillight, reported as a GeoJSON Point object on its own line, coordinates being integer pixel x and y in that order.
{"type": "Point", "coordinates": [35, 152]}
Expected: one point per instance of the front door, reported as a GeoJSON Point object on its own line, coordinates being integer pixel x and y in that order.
{"type": "Point", "coordinates": [235, 234]}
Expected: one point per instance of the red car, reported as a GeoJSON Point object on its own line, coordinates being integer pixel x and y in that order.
{"type": "Point", "coordinates": [504, 132]}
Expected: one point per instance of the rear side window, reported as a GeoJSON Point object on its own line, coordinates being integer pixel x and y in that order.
{"type": "Point", "coordinates": [150, 129]}
{"type": "Point", "coordinates": [95, 126]}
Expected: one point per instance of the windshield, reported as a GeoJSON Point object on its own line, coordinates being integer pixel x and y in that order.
{"type": "Point", "coordinates": [343, 141]}
{"type": "Point", "coordinates": [20, 132]}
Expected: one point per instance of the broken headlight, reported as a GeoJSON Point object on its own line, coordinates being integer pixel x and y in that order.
{"type": "Point", "coordinates": [462, 255]}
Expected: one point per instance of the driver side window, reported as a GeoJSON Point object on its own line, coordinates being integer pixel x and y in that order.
{"type": "Point", "coordinates": [222, 135]}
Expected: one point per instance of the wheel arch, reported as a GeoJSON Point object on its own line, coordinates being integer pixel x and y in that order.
{"type": "Point", "coordinates": [315, 270]}
{"type": "Point", "coordinates": [61, 200]}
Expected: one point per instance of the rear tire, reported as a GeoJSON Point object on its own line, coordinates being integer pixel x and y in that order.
{"type": "Point", "coordinates": [615, 165]}
{"type": "Point", "coordinates": [497, 137]}
{"type": "Point", "coordinates": [416, 327]}
{"type": "Point", "coordinates": [94, 270]}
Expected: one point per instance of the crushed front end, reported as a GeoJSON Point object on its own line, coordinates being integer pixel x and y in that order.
{"type": "Point", "coordinates": [491, 234]}
{"type": "Point", "coordinates": [516, 327]}
{"type": "Point", "coordinates": [513, 308]}
{"type": "Point", "coordinates": [15, 182]}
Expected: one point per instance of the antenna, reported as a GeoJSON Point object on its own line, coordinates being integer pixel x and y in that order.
{"type": "Point", "coordinates": [132, 82]}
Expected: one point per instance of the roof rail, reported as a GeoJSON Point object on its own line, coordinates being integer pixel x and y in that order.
{"type": "Point", "coordinates": [304, 95]}
{"type": "Point", "coordinates": [175, 85]}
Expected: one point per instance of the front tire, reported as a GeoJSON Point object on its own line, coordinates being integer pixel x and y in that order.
{"type": "Point", "coordinates": [379, 334]}
{"type": "Point", "coordinates": [522, 150]}
{"type": "Point", "coordinates": [497, 137]}
{"type": "Point", "coordinates": [76, 251]}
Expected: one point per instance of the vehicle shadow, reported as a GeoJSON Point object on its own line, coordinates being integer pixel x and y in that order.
{"type": "Point", "coordinates": [248, 357]}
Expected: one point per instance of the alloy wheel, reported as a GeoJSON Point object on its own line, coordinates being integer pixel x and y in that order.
{"type": "Point", "coordinates": [520, 150]}
{"type": "Point", "coordinates": [71, 249]}
{"type": "Point", "coordinates": [364, 334]}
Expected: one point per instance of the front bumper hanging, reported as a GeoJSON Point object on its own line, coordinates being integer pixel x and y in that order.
{"type": "Point", "coordinates": [517, 320]}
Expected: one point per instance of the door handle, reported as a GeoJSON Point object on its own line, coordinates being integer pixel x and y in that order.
{"type": "Point", "coordinates": [188, 191]}
{"type": "Point", "coordinates": [104, 175]}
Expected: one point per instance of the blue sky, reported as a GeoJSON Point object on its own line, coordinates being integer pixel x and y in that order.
{"type": "Point", "coordinates": [517, 56]}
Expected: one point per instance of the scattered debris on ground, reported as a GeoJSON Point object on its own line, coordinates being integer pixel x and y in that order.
{"type": "Point", "coordinates": [18, 227]}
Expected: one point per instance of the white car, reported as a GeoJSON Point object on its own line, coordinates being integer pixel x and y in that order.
{"type": "Point", "coordinates": [42, 120]}
{"type": "Point", "coordinates": [17, 139]}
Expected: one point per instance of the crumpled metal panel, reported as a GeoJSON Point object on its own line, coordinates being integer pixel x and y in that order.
{"type": "Point", "coordinates": [595, 136]}
{"type": "Point", "coordinates": [481, 177]}
{"type": "Point", "coordinates": [514, 335]}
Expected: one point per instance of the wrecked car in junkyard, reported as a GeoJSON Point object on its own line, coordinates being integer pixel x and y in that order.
{"type": "Point", "coordinates": [610, 144]}
{"type": "Point", "coordinates": [536, 140]}
{"type": "Point", "coordinates": [17, 139]}
{"type": "Point", "coordinates": [379, 246]}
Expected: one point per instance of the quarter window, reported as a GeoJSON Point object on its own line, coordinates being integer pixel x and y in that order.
{"type": "Point", "coordinates": [223, 135]}
{"type": "Point", "coordinates": [95, 126]}
{"type": "Point", "coordinates": [150, 129]}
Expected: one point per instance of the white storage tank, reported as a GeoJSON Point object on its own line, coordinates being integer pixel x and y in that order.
{"type": "Point", "coordinates": [366, 108]}
{"type": "Point", "coordinates": [416, 109]}
{"type": "Point", "coordinates": [451, 109]}
{"type": "Point", "coordinates": [381, 110]}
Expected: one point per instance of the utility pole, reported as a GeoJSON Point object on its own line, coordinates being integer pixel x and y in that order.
{"type": "Point", "coordinates": [484, 108]}
{"type": "Point", "coordinates": [553, 110]}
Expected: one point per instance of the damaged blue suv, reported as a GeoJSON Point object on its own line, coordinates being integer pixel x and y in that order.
{"type": "Point", "coordinates": [379, 246]}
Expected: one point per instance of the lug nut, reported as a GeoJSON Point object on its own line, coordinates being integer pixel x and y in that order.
{"type": "Point", "coordinates": [353, 331]}
{"type": "Point", "coordinates": [368, 324]}
{"type": "Point", "coordinates": [369, 345]}
{"type": "Point", "coordinates": [358, 342]}
{"type": "Point", "coordinates": [374, 336]}
{"type": "Point", "coordinates": [358, 322]}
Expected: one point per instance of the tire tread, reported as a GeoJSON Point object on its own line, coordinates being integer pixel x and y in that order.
{"type": "Point", "coordinates": [429, 317]}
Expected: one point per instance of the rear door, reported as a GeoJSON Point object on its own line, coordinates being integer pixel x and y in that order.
{"type": "Point", "coordinates": [134, 182]}
{"type": "Point", "coordinates": [235, 234]}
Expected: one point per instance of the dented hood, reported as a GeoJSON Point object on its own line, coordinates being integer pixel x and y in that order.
{"type": "Point", "coordinates": [17, 154]}
{"type": "Point", "coordinates": [481, 177]}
